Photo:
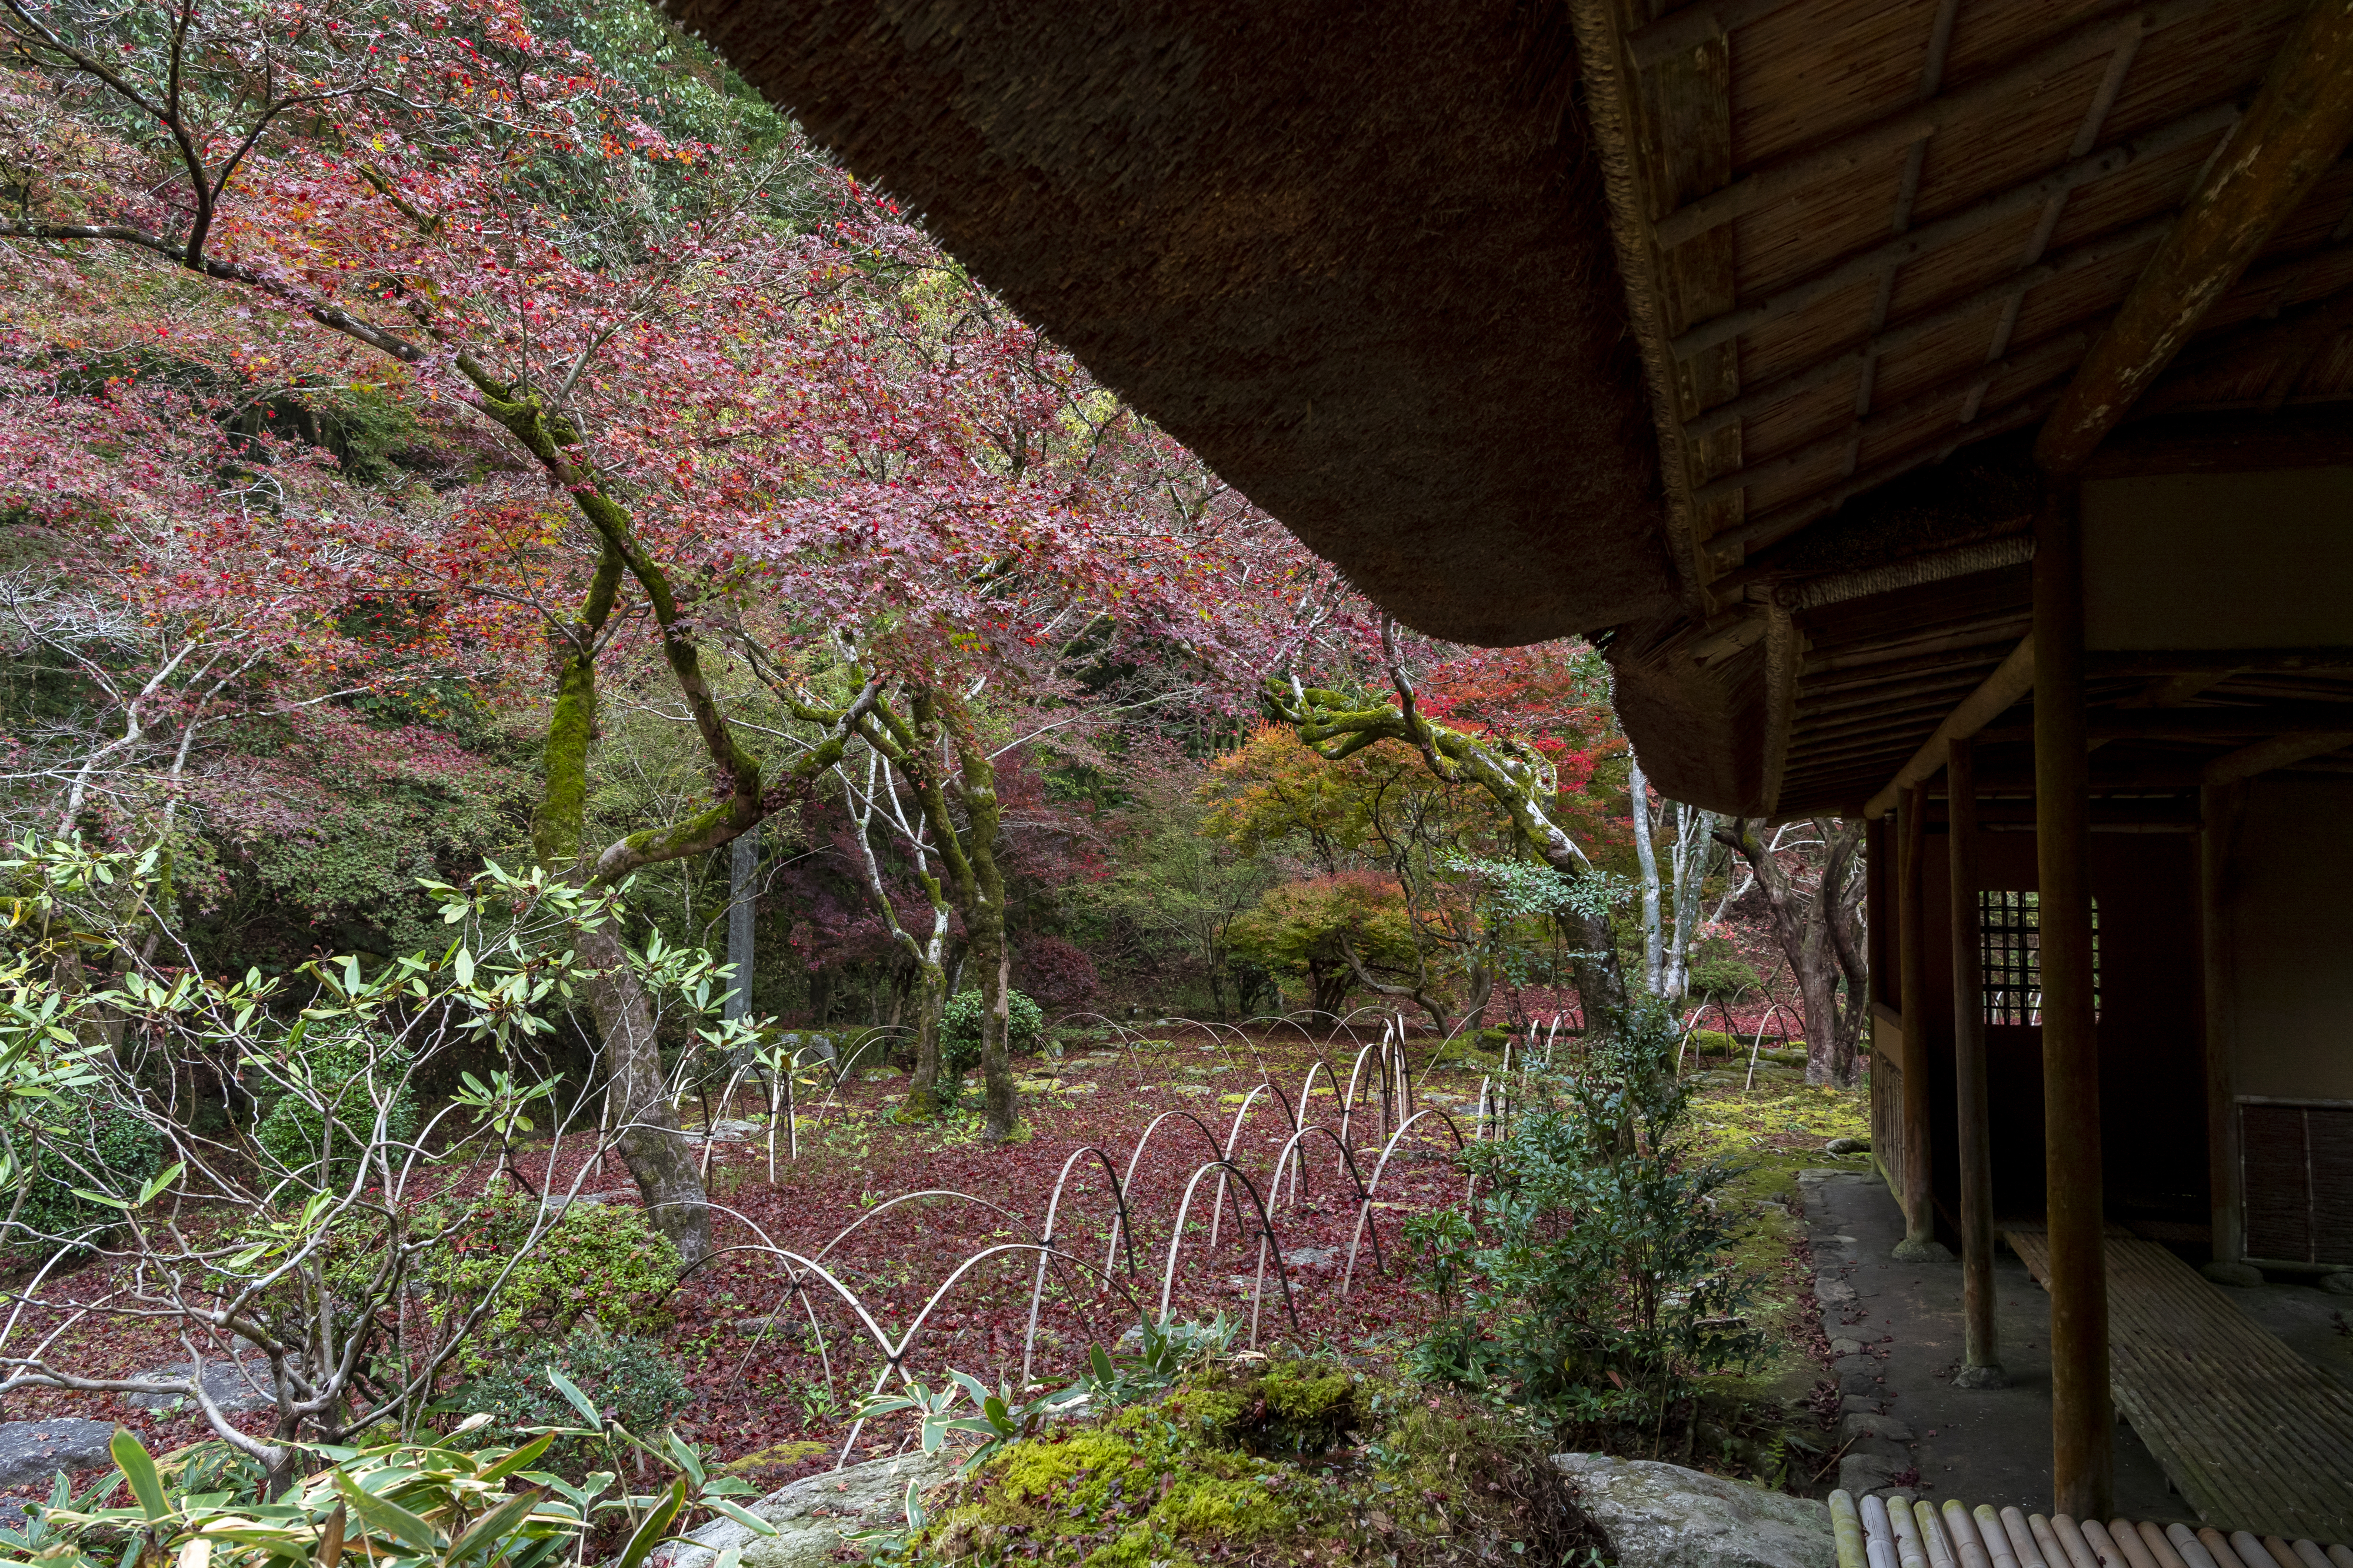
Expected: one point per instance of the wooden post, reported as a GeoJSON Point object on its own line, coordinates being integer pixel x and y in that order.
{"type": "Point", "coordinates": [1980, 1346]}
{"type": "Point", "coordinates": [1911, 980]}
{"type": "Point", "coordinates": [2222, 805]}
{"type": "Point", "coordinates": [2082, 1421]}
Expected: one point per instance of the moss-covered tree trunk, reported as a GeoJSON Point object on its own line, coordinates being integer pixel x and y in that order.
{"type": "Point", "coordinates": [649, 1139]}
{"type": "Point", "coordinates": [924, 1093]}
{"type": "Point", "coordinates": [984, 920]}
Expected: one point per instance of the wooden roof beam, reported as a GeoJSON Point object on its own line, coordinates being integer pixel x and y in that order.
{"type": "Point", "coordinates": [2224, 660]}
{"type": "Point", "coordinates": [2295, 720]}
{"type": "Point", "coordinates": [1695, 26]}
{"type": "Point", "coordinates": [2264, 756]}
{"type": "Point", "coordinates": [2296, 127]}
{"type": "Point", "coordinates": [2012, 680]}
{"type": "Point", "coordinates": [1782, 521]}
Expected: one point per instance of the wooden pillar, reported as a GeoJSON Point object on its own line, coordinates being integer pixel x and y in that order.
{"type": "Point", "coordinates": [2083, 1420]}
{"type": "Point", "coordinates": [2222, 805]}
{"type": "Point", "coordinates": [1911, 980]}
{"type": "Point", "coordinates": [1980, 1345]}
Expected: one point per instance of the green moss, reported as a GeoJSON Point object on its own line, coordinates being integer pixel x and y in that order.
{"type": "Point", "coordinates": [1437, 1480]}
{"type": "Point", "coordinates": [1122, 1495]}
{"type": "Point", "coordinates": [1287, 1405]}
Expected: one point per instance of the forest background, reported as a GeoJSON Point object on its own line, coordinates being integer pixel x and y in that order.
{"type": "Point", "coordinates": [485, 433]}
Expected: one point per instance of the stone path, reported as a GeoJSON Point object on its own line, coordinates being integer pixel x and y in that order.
{"type": "Point", "coordinates": [1899, 1328]}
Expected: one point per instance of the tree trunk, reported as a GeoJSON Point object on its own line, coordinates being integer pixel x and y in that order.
{"type": "Point", "coordinates": [651, 1144]}
{"type": "Point", "coordinates": [1646, 856]}
{"type": "Point", "coordinates": [996, 1061]}
{"type": "Point", "coordinates": [923, 1091]}
{"type": "Point", "coordinates": [1692, 835]}
{"type": "Point", "coordinates": [1817, 935]}
{"type": "Point", "coordinates": [742, 869]}
{"type": "Point", "coordinates": [1601, 978]}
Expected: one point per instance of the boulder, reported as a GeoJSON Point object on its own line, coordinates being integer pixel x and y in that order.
{"type": "Point", "coordinates": [236, 1387]}
{"type": "Point", "coordinates": [733, 1131]}
{"type": "Point", "coordinates": [813, 1515]}
{"type": "Point", "coordinates": [1663, 1516]}
{"type": "Point", "coordinates": [33, 1451]}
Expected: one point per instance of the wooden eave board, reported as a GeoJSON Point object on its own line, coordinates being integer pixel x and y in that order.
{"type": "Point", "coordinates": [2252, 1436]}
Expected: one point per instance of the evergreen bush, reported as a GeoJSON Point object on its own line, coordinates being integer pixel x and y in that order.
{"type": "Point", "coordinates": [1025, 1029]}
{"type": "Point", "coordinates": [598, 1267]}
{"type": "Point", "coordinates": [96, 1145]}
{"type": "Point", "coordinates": [1604, 1285]}
{"type": "Point", "coordinates": [347, 1085]}
{"type": "Point", "coordinates": [625, 1377]}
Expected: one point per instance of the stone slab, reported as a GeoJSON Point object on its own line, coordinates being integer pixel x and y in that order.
{"type": "Point", "coordinates": [1663, 1516]}
{"type": "Point", "coordinates": [813, 1515]}
{"type": "Point", "coordinates": [31, 1452]}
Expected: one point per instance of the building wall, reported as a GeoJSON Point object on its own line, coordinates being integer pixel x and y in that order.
{"type": "Point", "coordinates": [2290, 906]}
{"type": "Point", "coordinates": [2152, 1035]}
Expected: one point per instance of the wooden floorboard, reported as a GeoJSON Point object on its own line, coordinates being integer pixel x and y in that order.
{"type": "Point", "coordinates": [2253, 1436]}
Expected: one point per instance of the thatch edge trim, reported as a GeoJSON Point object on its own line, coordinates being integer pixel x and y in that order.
{"type": "Point", "coordinates": [1602, 60]}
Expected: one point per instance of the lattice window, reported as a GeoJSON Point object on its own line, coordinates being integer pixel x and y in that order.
{"type": "Point", "coordinates": [2009, 932]}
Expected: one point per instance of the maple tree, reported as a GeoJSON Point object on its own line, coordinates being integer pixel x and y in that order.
{"type": "Point", "coordinates": [1527, 727]}
{"type": "Point", "coordinates": [769, 431]}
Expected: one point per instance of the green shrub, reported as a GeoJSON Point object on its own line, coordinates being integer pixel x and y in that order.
{"type": "Point", "coordinates": [1025, 1029]}
{"type": "Point", "coordinates": [1605, 1286]}
{"type": "Point", "coordinates": [599, 1266]}
{"type": "Point", "coordinates": [1722, 976]}
{"type": "Point", "coordinates": [627, 1379]}
{"type": "Point", "coordinates": [1712, 1043]}
{"type": "Point", "coordinates": [94, 1144]}
{"type": "Point", "coordinates": [347, 1086]}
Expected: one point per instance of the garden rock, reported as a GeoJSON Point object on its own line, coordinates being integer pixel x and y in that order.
{"type": "Point", "coordinates": [813, 1514]}
{"type": "Point", "coordinates": [1861, 1473]}
{"type": "Point", "coordinates": [33, 1451]}
{"type": "Point", "coordinates": [1856, 1373]}
{"type": "Point", "coordinates": [1845, 1146]}
{"type": "Point", "coordinates": [1855, 1427]}
{"type": "Point", "coordinates": [1663, 1516]}
{"type": "Point", "coordinates": [227, 1385]}
{"type": "Point", "coordinates": [733, 1131]}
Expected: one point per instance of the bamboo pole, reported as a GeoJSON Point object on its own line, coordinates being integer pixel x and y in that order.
{"type": "Point", "coordinates": [1912, 921]}
{"type": "Point", "coordinates": [2083, 1417]}
{"type": "Point", "coordinates": [1980, 1344]}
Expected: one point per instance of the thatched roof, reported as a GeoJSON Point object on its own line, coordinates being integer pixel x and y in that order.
{"type": "Point", "coordinates": [1359, 262]}
{"type": "Point", "coordinates": [1724, 329]}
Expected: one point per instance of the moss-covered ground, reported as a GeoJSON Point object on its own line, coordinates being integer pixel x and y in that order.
{"type": "Point", "coordinates": [1258, 1460]}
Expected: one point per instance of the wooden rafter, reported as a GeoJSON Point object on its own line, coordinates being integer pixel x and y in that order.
{"type": "Point", "coordinates": [1865, 265]}
{"type": "Point", "coordinates": [1902, 335]}
{"type": "Point", "coordinates": [2294, 130]}
{"type": "Point", "coordinates": [1858, 149]}
{"type": "Point", "coordinates": [2265, 756]}
{"type": "Point", "coordinates": [2011, 681]}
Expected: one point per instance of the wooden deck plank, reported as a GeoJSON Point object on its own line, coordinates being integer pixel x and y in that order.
{"type": "Point", "coordinates": [2253, 1436]}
